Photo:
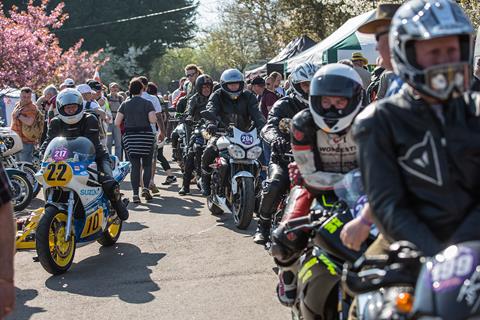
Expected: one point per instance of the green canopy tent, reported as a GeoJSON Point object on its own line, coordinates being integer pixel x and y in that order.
{"type": "Point", "coordinates": [341, 44]}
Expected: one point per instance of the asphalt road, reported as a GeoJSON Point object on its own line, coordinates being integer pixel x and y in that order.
{"type": "Point", "coordinates": [174, 260]}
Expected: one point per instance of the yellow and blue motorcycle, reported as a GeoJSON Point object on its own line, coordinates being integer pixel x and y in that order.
{"type": "Point", "coordinates": [76, 208]}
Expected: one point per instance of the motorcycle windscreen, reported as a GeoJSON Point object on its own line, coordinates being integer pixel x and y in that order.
{"type": "Point", "coordinates": [448, 285]}
{"type": "Point", "coordinates": [79, 149]}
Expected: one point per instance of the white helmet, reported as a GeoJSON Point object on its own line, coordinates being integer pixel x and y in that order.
{"type": "Point", "coordinates": [337, 80]}
{"type": "Point", "coordinates": [66, 97]}
{"type": "Point", "coordinates": [302, 73]}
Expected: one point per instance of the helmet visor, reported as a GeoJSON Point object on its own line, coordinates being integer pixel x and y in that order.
{"type": "Point", "coordinates": [335, 86]}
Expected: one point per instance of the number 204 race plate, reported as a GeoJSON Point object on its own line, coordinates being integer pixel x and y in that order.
{"type": "Point", "coordinates": [58, 174]}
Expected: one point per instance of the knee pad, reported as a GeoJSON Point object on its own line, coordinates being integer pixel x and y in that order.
{"type": "Point", "coordinates": [287, 284]}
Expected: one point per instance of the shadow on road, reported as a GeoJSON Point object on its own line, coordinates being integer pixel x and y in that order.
{"type": "Point", "coordinates": [133, 226]}
{"type": "Point", "coordinates": [171, 205]}
{"type": "Point", "coordinates": [22, 311]}
{"type": "Point", "coordinates": [121, 270]}
{"type": "Point", "coordinates": [226, 221]}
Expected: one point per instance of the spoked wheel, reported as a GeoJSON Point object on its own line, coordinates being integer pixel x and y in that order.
{"type": "Point", "coordinates": [112, 233]}
{"type": "Point", "coordinates": [21, 190]}
{"type": "Point", "coordinates": [244, 203]}
{"type": "Point", "coordinates": [54, 253]}
{"type": "Point", "coordinates": [30, 171]}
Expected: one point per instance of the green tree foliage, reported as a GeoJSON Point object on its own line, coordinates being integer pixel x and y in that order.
{"type": "Point", "coordinates": [156, 34]}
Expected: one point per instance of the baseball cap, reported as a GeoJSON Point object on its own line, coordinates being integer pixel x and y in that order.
{"type": "Point", "coordinates": [258, 81]}
{"type": "Point", "coordinates": [85, 88]}
{"type": "Point", "coordinates": [95, 85]}
{"type": "Point", "coordinates": [68, 83]}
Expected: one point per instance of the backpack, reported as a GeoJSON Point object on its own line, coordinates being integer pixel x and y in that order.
{"type": "Point", "coordinates": [35, 131]}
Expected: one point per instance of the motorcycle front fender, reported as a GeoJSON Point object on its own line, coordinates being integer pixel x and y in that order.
{"type": "Point", "coordinates": [240, 174]}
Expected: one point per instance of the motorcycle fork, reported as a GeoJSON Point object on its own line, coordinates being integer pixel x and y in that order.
{"type": "Point", "coordinates": [71, 202]}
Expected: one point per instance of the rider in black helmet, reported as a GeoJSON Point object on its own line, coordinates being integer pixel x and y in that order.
{"type": "Point", "coordinates": [197, 104]}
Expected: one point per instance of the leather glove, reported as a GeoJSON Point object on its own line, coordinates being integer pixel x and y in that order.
{"type": "Point", "coordinates": [295, 174]}
{"type": "Point", "coordinates": [280, 146]}
{"type": "Point", "coordinates": [211, 128]}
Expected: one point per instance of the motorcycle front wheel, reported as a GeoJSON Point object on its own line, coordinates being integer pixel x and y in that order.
{"type": "Point", "coordinates": [244, 203]}
{"type": "Point", "coordinates": [21, 190]}
{"type": "Point", "coordinates": [54, 253]}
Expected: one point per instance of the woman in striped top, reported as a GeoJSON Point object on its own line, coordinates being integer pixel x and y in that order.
{"type": "Point", "coordinates": [138, 114]}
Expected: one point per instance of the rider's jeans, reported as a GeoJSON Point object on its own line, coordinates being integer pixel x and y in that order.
{"type": "Point", "coordinates": [27, 153]}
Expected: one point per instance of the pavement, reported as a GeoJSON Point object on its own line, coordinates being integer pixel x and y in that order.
{"type": "Point", "coordinates": [174, 260]}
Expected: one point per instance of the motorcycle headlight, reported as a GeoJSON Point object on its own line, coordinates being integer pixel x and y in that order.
{"type": "Point", "coordinates": [236, 152]}
{"type": "Point", "coordinates": [254, 153]}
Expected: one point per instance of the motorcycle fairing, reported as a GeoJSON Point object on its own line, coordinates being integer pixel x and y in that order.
{"type": "Point", "coordinates": [316, 281]}
{"type": "Point", "coordinates": [246, 140]}
{"type": "Point", "coordinates": [449, 284]}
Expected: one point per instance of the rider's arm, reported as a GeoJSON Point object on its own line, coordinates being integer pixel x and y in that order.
{"type": "Point", "coordinates": [7, 249]}
{"type": "Point", "coordinates": [392, 210]}
{"type": "Point", "coordinates": [255, 113]}
{"type": "Point", "coordinates": [52, 132]}
{"type": "Point", "coordinates": [303, 148]}
{"type": "Point", "coordinates": [271, 131]}
{"type": "Point", "coordinates": [213, 107]}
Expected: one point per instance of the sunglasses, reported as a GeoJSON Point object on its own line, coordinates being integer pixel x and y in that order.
{"type": "Point", "coordinates": [378, 35]}
{"type": "Point", "coordinates": [189, 75]}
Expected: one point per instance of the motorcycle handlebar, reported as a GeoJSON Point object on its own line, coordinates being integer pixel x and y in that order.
{"type": "Point", "coordinates": [303, 221]}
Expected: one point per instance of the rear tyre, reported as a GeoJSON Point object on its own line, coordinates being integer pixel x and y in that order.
{"type": "Point", "coordinates": [110, 236]}
{"type": "Point", "coordinates": [54, 253]}
{"type": "Point", "coordinates": [244, 203]}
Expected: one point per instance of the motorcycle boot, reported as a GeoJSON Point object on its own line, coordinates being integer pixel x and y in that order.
{"type": "Point", "coordinates": [262, 234]}
{"type": "Point", "coordinates": [287, 283]}
{"type": "Point", "coordinates": [112, 191]}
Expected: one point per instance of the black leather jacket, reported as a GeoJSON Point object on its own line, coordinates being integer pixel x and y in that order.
{"type": "Point", "coordinates": [241, 112]}
{"type": "Point", "coordinates": [287, 107]}
{"type": "Point", "coordinates": [196, 105]}
{"type": "Point", "coordinates": [322, 158]}
{"type": "Point", "coordinates": [86, 127]}
{"type": "Point", "coordinates": [422, 176]}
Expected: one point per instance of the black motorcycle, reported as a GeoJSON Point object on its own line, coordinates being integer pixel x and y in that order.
{"type": "Point", "coordinates": [319, 291]}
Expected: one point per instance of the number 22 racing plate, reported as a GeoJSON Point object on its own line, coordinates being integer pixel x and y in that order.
{"type": "Point", "coordinates": [58, 174]}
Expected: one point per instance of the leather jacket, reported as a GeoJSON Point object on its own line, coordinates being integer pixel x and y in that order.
{"type": "Point", "coordinates": [86, 127]}
{"type": "Point", "coordinates": [241, 111]}
{"type": "Point", "coordinates": [196, 104]}
{"type": "Point", "coordinates": [287, 107]}
{"type": "Point", "coordinates": [322, 158]}
{"type": "Point", "coordinates": [421, 168]}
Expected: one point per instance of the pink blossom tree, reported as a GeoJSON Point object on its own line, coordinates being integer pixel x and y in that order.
{"type": "Point", "coordinates": [30, 54]}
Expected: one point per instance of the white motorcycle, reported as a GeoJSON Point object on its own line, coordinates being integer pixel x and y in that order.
{"type": "Point", "coordinates": [76, 208]}
{"type": "Point", "coordinates": [23, 184]}
{"type": "Point", "coordinates": [237, 160]}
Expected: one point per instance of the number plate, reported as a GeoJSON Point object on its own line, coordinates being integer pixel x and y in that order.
{"type": "Point", "coordinates": [58, 174]}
